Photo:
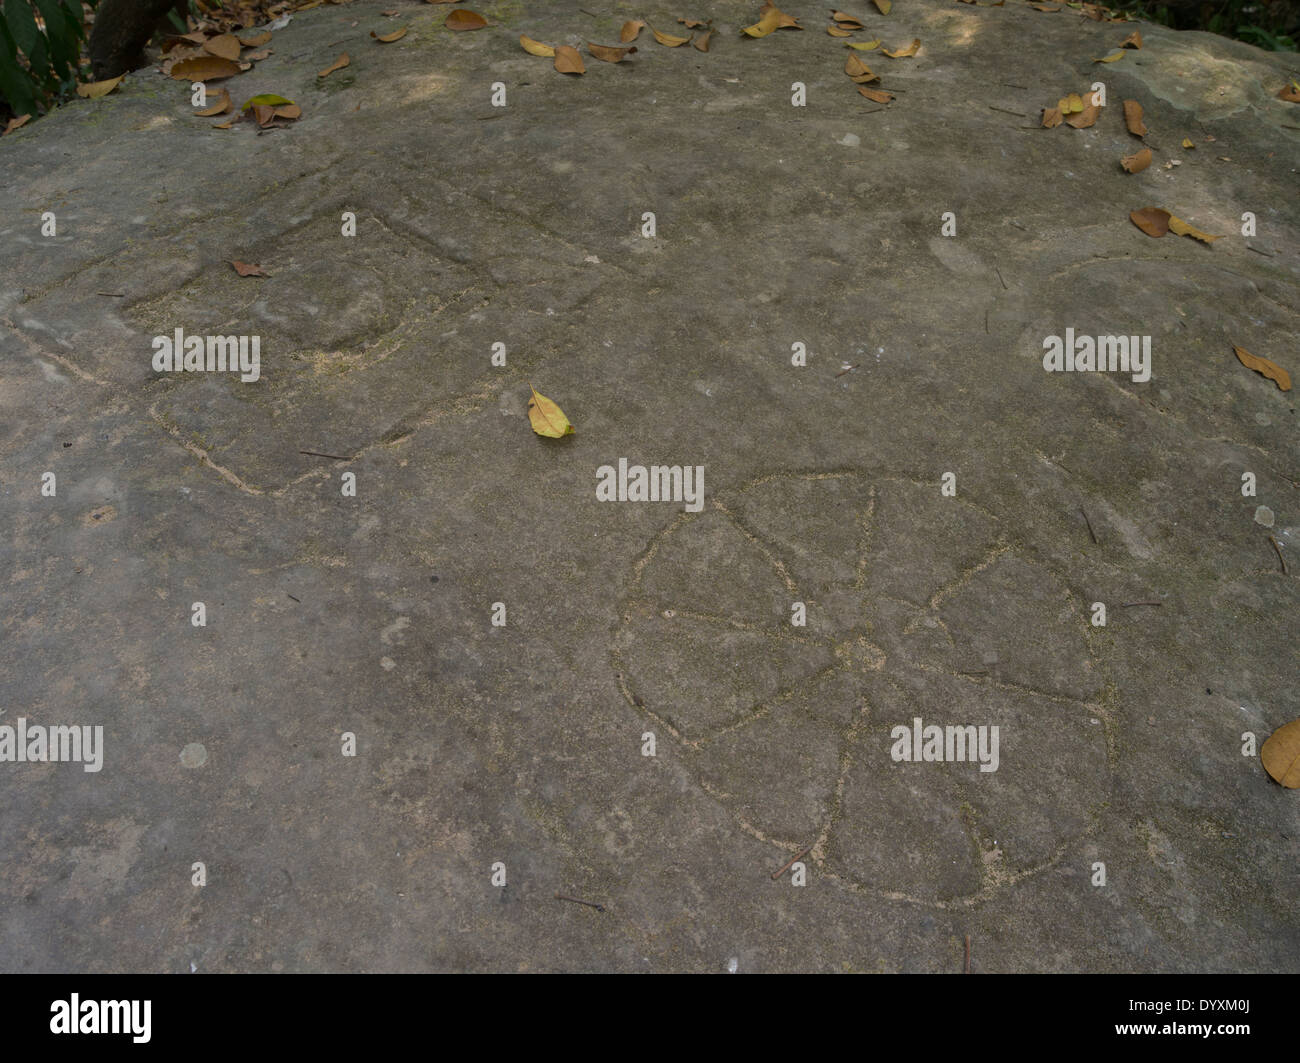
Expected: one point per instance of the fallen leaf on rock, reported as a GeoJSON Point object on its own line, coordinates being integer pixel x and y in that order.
{"type": "Point", "coordinates": [547, 418]}
{"type": "Point", "coordinates": [290, 111]}
{"type": "Point", "coordinates": [1051, 117]}
{"type": "Point", "coordinates": [223, 104]}
{"type": "Point", "coordinates": [16, 123]}
{"type": "Point", "coordinates": [1071, 104]}
{"type": "Point", "coordinates": [265, 99]}
{"type": "Point", "coordinates": [846, 20]}
{"type": "Point", "coordinates": [1113, 57]}
{"type": "Point", "coordinates": [864, 46]}
{"type": "Point", "coordinates": [1290, 92]}
{"type": "Point", "coordinates": [1279, 376]}
{"type": "Point", "coordinates": [568, 61]}
{"type": "Point", "coordinates": [883, 6]}
{"type": "Point", "coordinates": [695, 23]}
{"type": "Point", "coordinates": [226, 46]}
{"type": "Point", "coordinates": [1084, 119]}
{"type": "Point", "coordinates": [388, 38]}
{"type": "Point", "coordinates": [93, 90]}
{"type": "Point", "coordinates": [667, 39]}
{"type": "Point", "coordinates": [1187, 142]}
{"type": "Point", "coordinates": [246, 270]}
{"type": "Point", "coordinates": [338, 64]}
{"type": "Point", "coordinates": [630, 30]}
{"type": "Point", "coordinates": [256, 39]}
{"type": "Point", "coordinates": [533, 47]}
{"type": "Point", "coordinates": [1280, 755]}
{"type": "Point", "coordinates": [1137, 162]}
{"type": "Point", "coordinates": [903, 53]}
{"type": "Point", "coordinates": [1133, 118]}
{"type": "Point", "coordinates": [769, 23]}
{"type": "Point", "coordinates": [1180, 227]}
{"type": "Point", "coordinates": [207, 68]}
{"type": "Point", "coordinates": [608, 54]}
{"type": "Point", "coordinates": [263, 114]}
{"type": "Point", "coordinates": [702, 42]}
{"type": "Point", "coordinates": [835, 31]}
{"type": "Point", "coordinates": [463, 20]}
{"type": "Point", "coordinates": [1151, 220]}
{"type": "Point", "coordinates": [876, 95]}
{"type": "Point", "coordinates": [1133, 40]}
{"type": "Point", "coordinates": [855, 67]}
{"type": "Point", "coordinates": [257, 57]}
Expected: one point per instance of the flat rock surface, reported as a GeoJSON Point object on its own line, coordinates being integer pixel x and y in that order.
{"type": "Point", "coordinates": [1123, 828]}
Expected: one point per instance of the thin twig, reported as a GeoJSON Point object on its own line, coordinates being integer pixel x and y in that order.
{"type": "Point", "coordinates": [298, 600]}
{"type": "Point", "coordinates": [579, 900]}
{"type": "Point", "coordinates": [1129, 605]}
{"type": "Point", "coordinates": [1011, 86]}
{"type": "Point", "coordinates": [986, 319]}
{"type": "Point", "coordinates": [113, 295]}
{"type": "Point", "coordinates": [999, 273]}
{"type": "Point", "coordinates": [975, 671]}
{"type": "Point", "coordinates": [1278, 548]}
{"type": "Point", "coordinates": [1266, 254]}
{"type": "Point", "coordinates": [793, 860]}
{"type": "Point", "coordinates": [1089, 523]}
{"type": "Point", "coordinates": [318, 454]}
{"type": "Point", "coordinates": [488, 117]}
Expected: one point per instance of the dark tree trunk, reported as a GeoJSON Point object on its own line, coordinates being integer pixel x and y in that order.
{"type": "Point", "coordinates": [122, 29]}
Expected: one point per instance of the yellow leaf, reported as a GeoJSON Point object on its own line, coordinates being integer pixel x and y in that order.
{"type": "Point", "coordinates": [1282, 378]}
{"type": "Point", "coordinates": [667, 39]}
{"type": "Point", "coordinates": [266, 99]}
{"type": "Point", "coordinates": [835, 31]}
{"type": "Point", "coordinates": [547, 418]}
{"type": "Point", "coordinates": [1280, 755]}
{"type": "Point", "coordinates": [1112, 57]}
{"type": "Point", "coordinates": [338, 64]}
{"type": "Point", "coordinates": [1177, 225]}
{"type": "Point", "coordinates": [884, 5]}
{"type": "Point", "coordinates": [865, 46]}
{"type": "Point", "coordinates": [609, 54]}
{"type": "Point", "coordinates": [533, 47]}
{"type": "Point", "coordinates": [93, 90]}
{"type": "Point", "coordinates": [846, 20]}
{"type": "Point", "coordinates": [1187, 142]}
{"type": "Point", "coordinates": [765, 25]}
{"type": "Point", "coordinates": [903, 53]}
{"type": "Point", "coordinates": [568, 61]}
{"type": "Point", "coordinates": [876, 95]}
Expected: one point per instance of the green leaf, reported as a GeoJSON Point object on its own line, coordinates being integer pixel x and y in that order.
{"type": "Point", "coordinates": [16, 86]}
{"type": "Point", "coordinates": [22, 24]}
{"type": "Point", "coordinates": [63, 38]}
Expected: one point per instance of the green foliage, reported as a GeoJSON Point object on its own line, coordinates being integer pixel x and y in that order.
{"type": "Point", "coordinates": [40, 44]}
{"type": "Point", "coordinates": [1266, 24]}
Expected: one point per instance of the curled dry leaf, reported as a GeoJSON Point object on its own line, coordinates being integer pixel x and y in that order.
{"type": "Point", "coordinates": [609, 54]}
{"type": "Point", "coordinates": [1084, 119]}
{"type": "Point", "coordinates": [784, 21]}
{"type": "Point", "coordinates": [846, 20]}
{"type": "Point", "coordinates": [1181, 228]}
{"type": "Point", "coordinates": [702, 42]}
{"type": "Point", "coordinates": [835, 31]}
{"type": "Point", "coordinates": [1151, 220]}
{"type": "Point", "coordinates": [1133, 40]}
{"type": "Point", "coordinates": [855, 67]}
{"type": "Point", "coordinates": [630, 30]}
{"type": "Point", "coordinates": [1137, 162]}
{"type": "Point", "coordinates": [290, 111]}
{"type": "Point", "coordinates": [568, 61]}
{"type": "Point", "coordinates": [1282, 379]}
{"type": "Point", "coordinates": [256, 40]}
{"type": "Point", "coordinates": [228, 125]}
{"type": "Point", "coordinates": [338, 64]}
{"type": "Point", "coordinates": [463, 20]}
{"type": "Point", "coordinates": [93, 90]}
{"type": "Point", "coordinates": [1113, 57]}
{"type": "Point", "coordinates": [1133, 118]}
{"type": "Point", "coordinates": [226, 46]}
{"type": "Point", "coordinates": [16, 123]}
{"type": "Point", "coordinates": [533, 47]}
{"type": "Point", "coordinates": [883, 6]}
{"type": "Point", "coordinates": [207, 68]}
{"type": "Point", "coordinates": [1051, 117]}
{"type": "Point", "coordinates": [1290, 92]}
{"type": "Point", "coordinates": [388, 38]}
{"type": "Point", "coordinates": [546, 417]}
{"type": "Point", "coordinates": [1280, 755]}
{"type": "Point", "coordinates": [668, 40]}
{"type": "Point", "coordinates": [876, 95]}
{"type": "Point", "coordinates": [903, 53]}
{"type": "Point", "coordinates": [695, 23]}
{"type": "Point", "coordinates": [244, 269]}
{"type": "Point", "coordinates": [262, 114]}
{"type": "Point", "coordinates": [222, 106]}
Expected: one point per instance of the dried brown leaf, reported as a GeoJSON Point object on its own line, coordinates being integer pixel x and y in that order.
{"type": "Point", "coordinates": [205, 68]}
{"type": "Point", "coordinates": [667, 39]}
{"type": "Point", "coordinates": [93, 90]}
{"type": "Point", "coordinates": [533, 47]}
{"type": "Point", "coordinates": [225, 46]}
{"type": "Point", "coordinates": [1282, 379]}
{"type": "Point", "coordinates": [463, 20]}
{"type": "Point", "coordinates": [222, 106]}
{"type": "Point", "coordinates": [903, 53]}
{"type": "Point", "coordinates": [835, 31]}
{"type": "Point", "coordinates": [1151, 220]}
{"type": "Point", "coordinates": [608, 54]}
{"type": "Point", "coordinates": [338, 64]}
{"type": "Point", "coordinates": [1290, 92]}
{"type": "Point", "coordinates": [1181, 228]}
{"type": "Point", "coordinates": [1051, 117]}
{"type": "Point", "coordinates": [568, 61]}
{"type": "Point", "coordinates": [16, 123]}
{"type": "Point", "coordinates": [256, 40]}
{"type": "Point", "coordinates": [388, 38]}
{"type": "Point", "coordinates": [1137, 162]}
{"type": "Point", "coordinates": [630, 30]}
{"type": "Point", "coordinates": [846, 20]}
{"type": "Point", "coordinates": [1133, 40]}
{"type": "Point", "coordinates": [702, 42]}
{"type": "Point", "coordinates": [244, 269]}
{"type": "Point", "coordinates": [1087, 117]}
{"type": "Point", "coordinates": [876, 95]}
{"type": "Point", "coordinates": [1133, 118]}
